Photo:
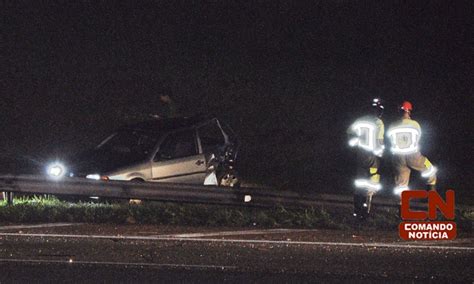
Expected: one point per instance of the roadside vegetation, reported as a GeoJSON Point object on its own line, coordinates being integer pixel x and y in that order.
{"type": "Point", "coordinates": [51, 209]}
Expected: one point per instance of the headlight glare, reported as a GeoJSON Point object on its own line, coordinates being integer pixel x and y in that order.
{"type": "Point", "coordinates": [93, 176]}
{"type": "Point", "coordinates": [97, 177]}
{"type": "Point", "coordinates": [56, 170]}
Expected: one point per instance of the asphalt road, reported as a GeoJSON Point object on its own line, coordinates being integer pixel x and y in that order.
{"type": "Point", "coordinates": [132, 253]}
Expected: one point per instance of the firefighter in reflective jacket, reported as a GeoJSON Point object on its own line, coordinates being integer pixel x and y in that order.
{"type": "Point", "coordinates": [405, 136]}
{"type": "Point", "coordinates": [366, 134]}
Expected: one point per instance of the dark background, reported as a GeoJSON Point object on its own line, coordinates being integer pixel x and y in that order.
{"type": "Point", "coordinates": [289, 77]}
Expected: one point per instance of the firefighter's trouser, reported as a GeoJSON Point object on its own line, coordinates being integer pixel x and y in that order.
{"type": "Point", "coordinates": [367, 180]}
{"type": "Point", "coordinates": [367, 167]}
{"type": "Point", "coordinates": [403, 164]}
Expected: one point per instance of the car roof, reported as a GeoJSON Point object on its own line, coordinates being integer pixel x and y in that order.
{"type": "Point", "coordinates": [169, 124]}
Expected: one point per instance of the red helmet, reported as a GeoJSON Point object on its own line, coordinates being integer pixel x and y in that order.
{"type": "Point", "coordinates": [406, 106]}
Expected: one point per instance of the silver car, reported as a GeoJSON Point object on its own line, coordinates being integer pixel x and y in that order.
{"type": "Point", "coordinates": [175, 150]}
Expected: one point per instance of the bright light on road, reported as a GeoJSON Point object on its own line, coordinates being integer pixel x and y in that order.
{"type": "Point", "coordinates": [93, 176]}
{"type": "Point", "coordinates": [56, 170]}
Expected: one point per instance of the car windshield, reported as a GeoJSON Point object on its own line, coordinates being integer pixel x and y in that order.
{"type": "Point", "coordinates": [130, 143]}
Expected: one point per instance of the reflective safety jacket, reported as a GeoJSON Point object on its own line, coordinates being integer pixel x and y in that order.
{"type": "Point", "coordinates": [367, 133]}
{"type": "Point", "coordinates": [404, 136]}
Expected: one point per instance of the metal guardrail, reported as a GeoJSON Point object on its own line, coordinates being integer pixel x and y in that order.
{"type": "Point", "coordinates": [180, 193]}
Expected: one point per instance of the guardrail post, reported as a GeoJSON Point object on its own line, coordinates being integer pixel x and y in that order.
{"type": "Point", "coordinates": [9, 196]}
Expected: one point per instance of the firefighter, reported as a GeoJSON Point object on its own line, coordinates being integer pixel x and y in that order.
{"type": "Point", "coordinates": [166, 105]}
{"type": "Point", "coordinates": [405, 137]}
{"type": "Point", "coordinates": [366, 135]}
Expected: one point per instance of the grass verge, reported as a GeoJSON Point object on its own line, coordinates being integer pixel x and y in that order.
{"type": "Point", "coordinates": [50, 209]}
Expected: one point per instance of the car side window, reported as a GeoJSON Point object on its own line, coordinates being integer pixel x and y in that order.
{"type": "Point", "coordinates": [211, 136]}
{"type": "Point", "coordinates": [136, 143]}
{"type": "Point", "coordinates": [177, 145]}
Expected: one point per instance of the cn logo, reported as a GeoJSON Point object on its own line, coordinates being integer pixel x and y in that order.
{"type": "Point", "coordinates": [419, 228]}
{"type": "Point", "coordinates": [434, 202]}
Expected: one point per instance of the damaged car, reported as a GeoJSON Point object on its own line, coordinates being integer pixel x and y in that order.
{"type": "Point", "coordinates": [190, 150]}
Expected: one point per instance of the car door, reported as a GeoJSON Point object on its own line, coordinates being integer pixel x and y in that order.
{"type": "Point", "coordinates": [211, 137]}
{"type": "Point", "coordinates": [178, 159]}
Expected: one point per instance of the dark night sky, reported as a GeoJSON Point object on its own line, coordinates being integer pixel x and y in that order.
{"type": "Point", "coordinates": [287, 76]}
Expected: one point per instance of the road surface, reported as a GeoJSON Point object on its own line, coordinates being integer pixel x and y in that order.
{"type": "Point", "coordinates": [137, 253]}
